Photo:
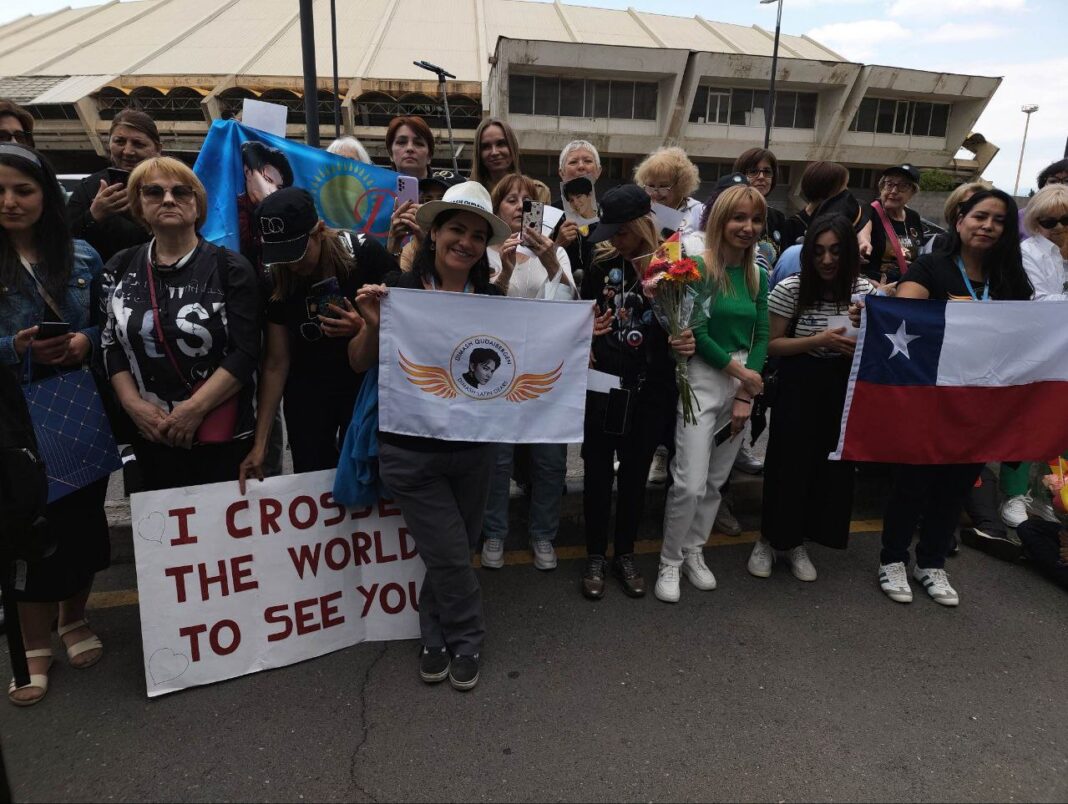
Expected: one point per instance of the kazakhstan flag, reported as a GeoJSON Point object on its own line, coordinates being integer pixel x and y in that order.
{"type": "Point", "coordinates": [350, 195]}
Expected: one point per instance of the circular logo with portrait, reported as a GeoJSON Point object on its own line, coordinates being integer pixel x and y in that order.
{"type": "Point", "coordinates": [482, 367]}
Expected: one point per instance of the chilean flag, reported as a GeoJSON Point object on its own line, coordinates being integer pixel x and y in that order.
{"type": "Point", "coordinates": [937, 382]}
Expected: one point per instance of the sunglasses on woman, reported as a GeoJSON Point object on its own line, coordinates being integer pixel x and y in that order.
{"type": "Point", "coordinates": [181, 193]}
{"type": "Point", "coordinates": [21, 137]}
{"type": "Point", "coordinates": [1049, 223]}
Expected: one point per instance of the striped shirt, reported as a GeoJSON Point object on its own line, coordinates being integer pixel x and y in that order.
{"type": "Point", "coordinates": [782, 301]}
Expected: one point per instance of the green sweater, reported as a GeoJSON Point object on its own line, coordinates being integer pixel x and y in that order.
{"type": "Point", "coordinates": [734, 321]}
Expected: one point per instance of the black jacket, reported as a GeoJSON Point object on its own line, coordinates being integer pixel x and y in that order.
{"type": "Point", "coordinates": [109, 236]}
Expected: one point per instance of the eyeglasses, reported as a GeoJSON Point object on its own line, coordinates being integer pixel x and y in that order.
{"type": "Point", "coordinates": [21, 137]}
{"type": "Point", "coordinates": [658, 188]}
{"type": "Point", "coordinates": [1049, 223]}
{"type": "Point", "coordinates": [767, 173]}
{"type": "Point", "coordinates": [181, 193]}
{"type": "Point", "coordinates": [1058, 179]}
{"type": "Point", "coordinates": [895, 186]}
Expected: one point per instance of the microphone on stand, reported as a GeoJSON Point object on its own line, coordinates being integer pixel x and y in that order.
{"type": "Point", "coordinates": [442, 74]}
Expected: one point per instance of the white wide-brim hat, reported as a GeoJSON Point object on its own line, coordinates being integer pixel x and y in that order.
{"type": "Point", "coordinates": [470, 196]}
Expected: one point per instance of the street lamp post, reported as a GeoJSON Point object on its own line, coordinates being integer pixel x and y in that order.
{"type": "Point", "coordinates": [1028, 110]}
{"type": "Point", "coordinates": [769, 108]}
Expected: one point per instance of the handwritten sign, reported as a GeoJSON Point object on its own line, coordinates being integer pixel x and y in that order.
{"type": "Point", "coordinates": [233, 584]}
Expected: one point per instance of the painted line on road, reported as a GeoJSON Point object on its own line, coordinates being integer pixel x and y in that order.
{"type": "Point", "coordinates": [128, 597]}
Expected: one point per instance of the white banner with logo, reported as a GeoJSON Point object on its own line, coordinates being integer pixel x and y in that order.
{"type": "Point", "coordinates": [464, 367]}
{"type": "Point", "coordinates": [231, 584]}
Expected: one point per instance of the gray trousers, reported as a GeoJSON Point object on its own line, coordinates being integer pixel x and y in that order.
{"type": "Point", "coordinates": [442, 496]}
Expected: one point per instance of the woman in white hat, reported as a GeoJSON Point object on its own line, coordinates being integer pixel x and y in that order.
{"type": "Point", "coordinates": [441, 486]}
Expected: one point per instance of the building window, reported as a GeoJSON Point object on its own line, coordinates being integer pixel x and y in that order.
{"type": "Point", "coordinates": [886, 116]}
{"type": "Point", "coordinates": [578, 97]}
{"type": "Point", "coordinates": [745, 107]}
{"type": "Point", "coordinates": [520, 94]}
{"type": "Point", "coordinates": [863, 178]}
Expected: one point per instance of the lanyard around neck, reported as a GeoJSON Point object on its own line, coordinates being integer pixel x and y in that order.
{"type": "Point", "coordinates": [968, 283]}
{"type": "Point", "coordinates": [468, 287]}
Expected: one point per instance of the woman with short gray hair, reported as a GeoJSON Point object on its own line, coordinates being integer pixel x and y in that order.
{"type": "Point", "coordinates": [351, 148]}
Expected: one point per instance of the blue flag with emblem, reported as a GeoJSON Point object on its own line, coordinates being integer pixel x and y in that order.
{"type": "Point", "coordinates": [238, 165]}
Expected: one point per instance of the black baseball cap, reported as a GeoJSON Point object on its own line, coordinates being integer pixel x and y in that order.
{"type": "Point", "coordinates": [284, 220]}
{"type": "Point", "coordinates": [620, 206]}
{"type": "Point", "coordinates": [444, 178]}
{"type": "Point", "coordinates": [731, 180]}
{"type": "Point", "coordinates": [906, 170]}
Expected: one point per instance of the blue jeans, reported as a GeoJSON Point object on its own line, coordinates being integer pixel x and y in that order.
{"type": "Point", "coordinates": [548, 468]}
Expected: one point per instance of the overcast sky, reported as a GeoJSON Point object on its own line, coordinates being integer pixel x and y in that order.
{"type": "Point", "coordinates": [1020, 40]}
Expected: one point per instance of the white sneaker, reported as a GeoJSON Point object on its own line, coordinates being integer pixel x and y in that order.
{"type": "Point", "coordinates": [761, 559]}
{"type": "Point", "coordinates": [936, 582]}
{"type": "Point", "coordinates": [658, 472]}
{"type": "Point", "coordinates": [544, 554]}
{"type": "Point", "coordinates": [697, 572]}
{"type": "Point", "coordinates": [747, 462]}
{"type": "Point", "coordinates": [493, 553]}
{"type": "Point", "coordinates": [894, 580]}
{"type": "Point", "coordinates": [667, 583]}
{"type": "Point", "coordinates": [800, 564]}
{"type": "Point", "coordinates": [1014, 510]}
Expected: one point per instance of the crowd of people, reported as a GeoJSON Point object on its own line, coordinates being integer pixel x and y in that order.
{"type": "Point", "coordinates": [197, 348]}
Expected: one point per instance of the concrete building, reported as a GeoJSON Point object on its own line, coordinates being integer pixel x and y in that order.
{"type": "Point", "coordinates": [627, 80]}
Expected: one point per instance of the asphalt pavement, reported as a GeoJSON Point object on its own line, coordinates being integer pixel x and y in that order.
{"type": "Point", "coordinates": [760, 690]}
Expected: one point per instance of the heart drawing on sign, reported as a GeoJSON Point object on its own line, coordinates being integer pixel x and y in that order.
{"type": "Point", "coordinates": [165, 665]}
{"type": "Point", "coordinates": [151, 527]}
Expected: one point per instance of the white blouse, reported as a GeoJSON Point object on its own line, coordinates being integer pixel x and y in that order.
{"type": "Point", "coordinates": [530, 279]}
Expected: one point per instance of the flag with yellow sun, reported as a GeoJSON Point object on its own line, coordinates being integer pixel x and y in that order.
{"type": "Point", "coordinates": [238, 165]}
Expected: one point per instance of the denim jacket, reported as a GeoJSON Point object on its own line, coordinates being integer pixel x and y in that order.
{"type": "Point", "coordinates": [22, 307]}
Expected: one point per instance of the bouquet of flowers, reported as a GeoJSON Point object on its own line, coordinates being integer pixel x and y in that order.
{"type": "Point", "coordinates": [1056, 485]}
{"type": "Point", "coordinates": [669, 283]}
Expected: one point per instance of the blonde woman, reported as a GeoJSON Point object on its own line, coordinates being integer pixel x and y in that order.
{"type": "Point", "coordinates": [670, 178]}
{"type": "Point", "coordinates": [732, 342]}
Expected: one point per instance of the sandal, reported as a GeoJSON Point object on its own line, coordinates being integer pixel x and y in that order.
{"type": "Point", "coordinates": [38, 681]}
{"type": "Point", "coordinates": [78, 648]}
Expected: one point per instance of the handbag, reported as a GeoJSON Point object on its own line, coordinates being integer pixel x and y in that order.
{"type": "Point", "coordinates": [219, 425]}
{"type": "Point", "coordinates": [891, 237]}
{"type": "Point", "coordinates": [74, 437]}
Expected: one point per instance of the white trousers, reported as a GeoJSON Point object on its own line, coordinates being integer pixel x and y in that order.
{"type": "Point", "coordinates": [699, 467]}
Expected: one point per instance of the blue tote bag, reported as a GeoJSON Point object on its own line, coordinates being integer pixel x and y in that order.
{"type": "Point", "coordinates": [74, 436]}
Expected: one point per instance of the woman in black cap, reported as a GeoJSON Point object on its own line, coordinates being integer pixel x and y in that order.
{"type": "Point", "coordinates": [315, 273]}
{"type": "Point", "coordinates": [634, 400]}
{"type": "Point", "coordinates": [441, 486]}
{"type": "Point", "coordinates": [896, 230]}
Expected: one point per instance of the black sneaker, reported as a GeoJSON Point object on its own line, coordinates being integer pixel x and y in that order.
{"type": "Point", "coordinates": [433, 664]}
{"type": "Point", "coordinates": [999, 545]}
{"type": "Point", "coordinates": [631, 580]}
{"type": "Point", "coordinates": [593, 577]}
{"type": "Point", "coordinates": [463, 672]}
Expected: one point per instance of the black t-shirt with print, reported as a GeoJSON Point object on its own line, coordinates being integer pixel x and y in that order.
{"type": "Point", "coordinates": [318, 363]}
{"type": "Point", "coordinates": [883, 266]}
{"type": "Point", "coordinates": [210, 313]}
{"type": "Point", "coordinates": [941, 276]}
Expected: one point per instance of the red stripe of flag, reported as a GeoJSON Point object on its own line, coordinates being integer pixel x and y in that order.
{"type": "Point", "coordinates": [950, 424]}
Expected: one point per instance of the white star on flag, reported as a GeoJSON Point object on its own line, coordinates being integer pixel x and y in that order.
{"type": "Point", "coordinates": [900, 341]}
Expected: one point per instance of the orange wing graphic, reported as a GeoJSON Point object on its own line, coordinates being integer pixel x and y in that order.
{"type": "Point", "coordinates": [531, 386]}
{"type": "Point", "coordinates": [432, 379]}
